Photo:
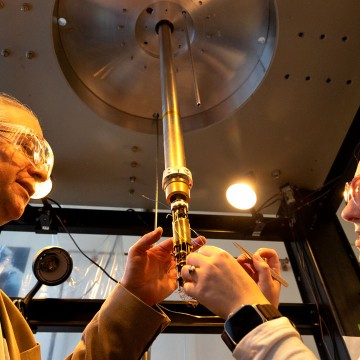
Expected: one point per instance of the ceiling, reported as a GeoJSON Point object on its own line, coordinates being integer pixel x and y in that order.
{"type": "Point", "coordinates": [292, 123]}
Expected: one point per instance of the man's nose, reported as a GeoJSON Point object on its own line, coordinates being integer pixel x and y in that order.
{"type": "Point", "coordinates": [351, 212]}
{"type": "Point", "coordinates": [39, 175]}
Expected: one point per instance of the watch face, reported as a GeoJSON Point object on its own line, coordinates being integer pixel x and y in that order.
{"type": "Point", "coordinates": [242, 322]}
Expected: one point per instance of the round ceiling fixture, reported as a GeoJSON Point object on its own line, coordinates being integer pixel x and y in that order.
{"type": "Point", "coordinates": [109, 53]}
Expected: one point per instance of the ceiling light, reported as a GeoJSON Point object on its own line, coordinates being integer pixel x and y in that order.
{"type": "Point", "coordinates": [242, 196]}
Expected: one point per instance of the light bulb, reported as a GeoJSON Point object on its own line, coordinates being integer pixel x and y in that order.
{"type": "Point", "coordinates": [42, 189]}
{"type": "Point", "coordinates": [241, 196]}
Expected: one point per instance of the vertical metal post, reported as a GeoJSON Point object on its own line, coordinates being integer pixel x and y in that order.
{"type": "Point", "coordinates": [177, 179]}
{"type": "Point", "coordinates": [173, 140]}
{"type": "Point", "coordinates": [147, 355]}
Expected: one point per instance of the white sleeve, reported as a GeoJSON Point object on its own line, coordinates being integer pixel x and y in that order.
{"type": "Point", "coordinates": [275, 339]}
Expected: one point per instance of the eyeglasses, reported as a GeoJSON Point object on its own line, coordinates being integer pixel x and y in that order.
{"type": "Point", "coordinates": [25, 140]}
{"type": "Point", "coordinates": [352, 191]}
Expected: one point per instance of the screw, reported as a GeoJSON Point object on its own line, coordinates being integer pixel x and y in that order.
{"type": "Point", "coordinates": [25, 7]}
{"type": "Point", "coordinates": [276, 174]}
{"type": "Point", "coordinates": [30, 55]}
{"type": "Point", "coordinates": [5, 52]}
{"type": "Point", "coordinates": [62, 21]}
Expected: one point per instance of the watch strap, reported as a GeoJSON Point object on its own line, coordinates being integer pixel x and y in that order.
{"type": "Point", "coordinates": [244, 320]}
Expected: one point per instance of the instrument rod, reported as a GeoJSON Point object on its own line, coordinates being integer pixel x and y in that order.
{"type": "Point", "coordinates": [173, 139]}
{"type": "Point", "coordinates": [177, 179]}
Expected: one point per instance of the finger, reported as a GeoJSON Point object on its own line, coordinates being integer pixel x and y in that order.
{"type": "Point", "coordinates": [194, 259]}
{"type": "Point", "coordinates": [243, 259]}
{"type": "Point", "coordinates": [271, 257]}
{"type": "Point", "coordinates": [189, 288]}
{"type": "Point", "coordinates": [209, 250]}
{"type": "Point", "coordinates": [248, 268]}
{"type": "Point", "coordinates": [146, 242]}
{"type": "Point", "coordinates": [262, 268]}
{"type": "Point", "coordinates": [187, 272]}
{"type": "Point", "coordinates": [198, 242]}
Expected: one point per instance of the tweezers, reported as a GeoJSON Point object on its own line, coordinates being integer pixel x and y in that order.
{"type": "Point", "coordinates": [250, 255]}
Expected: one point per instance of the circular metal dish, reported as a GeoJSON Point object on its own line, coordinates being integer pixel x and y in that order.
{"type": "Point", "coordinates": [109, 52]}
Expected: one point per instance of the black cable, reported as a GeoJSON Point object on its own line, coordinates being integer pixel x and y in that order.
{"type": "Point", "coordinates": [266, 204]}
{"type": "Point", "coordinates": [78, 247]}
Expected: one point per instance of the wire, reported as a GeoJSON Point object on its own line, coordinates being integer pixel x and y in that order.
{"type": "Point", "coordinates": [91, 260]}
{"type": "Point", "coordinates": [265, 203]}
{"type": "Point", "coordinates": [191, 315]}
{"type": "Point", "coordinates": [157, 172]}
{"type": "Point", "coordinates": [77, 246]}
{"type": "Point", "coordinates": [156, 201]}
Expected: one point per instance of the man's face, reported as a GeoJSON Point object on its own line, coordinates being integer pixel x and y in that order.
{"type": "Point", "coordinates": [351, 213]}
{"type": "Point", "coordinates": [17, 174]}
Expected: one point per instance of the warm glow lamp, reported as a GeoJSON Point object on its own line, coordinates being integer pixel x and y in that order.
{"type": "Point", "coordinates": [242, 196]}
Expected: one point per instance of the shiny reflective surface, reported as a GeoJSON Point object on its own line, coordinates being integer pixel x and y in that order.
{"type": "Point", "coordinates": [109, 53]}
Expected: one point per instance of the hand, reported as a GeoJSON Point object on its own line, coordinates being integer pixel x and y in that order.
{"type": "Point", "coordinates": [259, 270]}
{"type": "Point", "coordinates": [150, 272]}
{"type": "Point", "coordinates": [219, 282]}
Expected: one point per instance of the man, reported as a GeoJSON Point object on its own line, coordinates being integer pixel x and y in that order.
{"type": "Point", "coordinates": [114, 333]}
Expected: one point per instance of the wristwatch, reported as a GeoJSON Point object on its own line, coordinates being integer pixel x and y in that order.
{"type": "Point", "coordinates": [247, 318]}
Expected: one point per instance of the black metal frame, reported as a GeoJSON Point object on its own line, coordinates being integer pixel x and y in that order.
{"type": "Point", "coordinates": [73, 315]}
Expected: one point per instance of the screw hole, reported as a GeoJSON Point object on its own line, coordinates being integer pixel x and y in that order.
{"type": "Point", "coordinates": [287, 76]}
{"type": "Point", "coordinates": [301, 34]}
{"type": "Point", "coordinates": [344, 38]}
{"type": "Point", "coordinates": [348, 82]}
{"type": "Point", "coordinates": [307, 78]}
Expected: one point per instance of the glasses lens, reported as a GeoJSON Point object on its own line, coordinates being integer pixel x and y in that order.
{"type": "Point", "coordinates": [347, 193]}
{"type": "Point", "coordinates": [355, 190]}
{"type": "Point", "coordinates": [28, 144]}
{"type": "Point", "coordinates": [37, 150]}
{"type": "Point", "coordinates": [352, 191]}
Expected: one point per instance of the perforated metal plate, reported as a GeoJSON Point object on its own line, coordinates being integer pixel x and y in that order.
{"type": "Point", "coordinates": [109, 50]}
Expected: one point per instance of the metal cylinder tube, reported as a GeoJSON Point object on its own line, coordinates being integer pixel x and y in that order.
{"type": "Point", "coordinates": [177, 179]}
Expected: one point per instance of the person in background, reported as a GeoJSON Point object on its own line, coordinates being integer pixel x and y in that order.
{"type": "Point", "coordinates": [10, 276]}
{"type": "Point", "coordinates": [248, 298]}
{"type": "Point", "coordinates": [351, 212]}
